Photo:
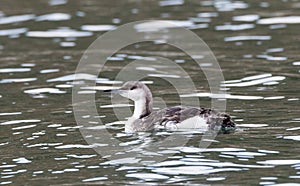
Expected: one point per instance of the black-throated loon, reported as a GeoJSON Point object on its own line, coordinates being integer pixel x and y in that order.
{"type": "Point", "coordinates": [176, 117]}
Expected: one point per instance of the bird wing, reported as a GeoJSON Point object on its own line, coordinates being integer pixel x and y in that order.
{"type": "Point", "coordinates": [177, 114]}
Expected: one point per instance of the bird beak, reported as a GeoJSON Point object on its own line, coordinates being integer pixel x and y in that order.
{"type": "Point", "coordinates": [111, 90]}
{"type": "Point", "coordinates": [114, 91]}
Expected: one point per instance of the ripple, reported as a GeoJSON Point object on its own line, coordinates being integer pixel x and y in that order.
{"type": "Point", "coordinates": [271, 83]}
{"type": "Point", "coordinates": [247, 38]}
{"type": "Point", "coordinates": [260, 76]}
{"type": "Point", "coordinates": [43, 145]}
{"type": "Point", "coordinates": [21, 160]}
{"type": "Point", "coordinates": [271, 58]}
{"type": "Point", "coordinates": [286, 184]}
{"type": "Point", "coordinates": [99, 88]}
{"type": "Point", "coordinates": [98, 28]}
{"type": "Point", "coordinates": [254, 80]}
{"type": "Point", "coordinates": [27, 65]}
{"type": "Point", "coordinates": [64, 86]}
{"type": "Point", "coordinates": [54, 17]}
{"type": "Point", "coordinates": [147, 176]}
{"type": "Point", "coordinates": [16, 18]}
{"type": "Point", "coordinates": [296, 138]}
{"type": "Point", "coordinates": [54, 125]}
{"type": "Point", "coordinates": [268, 178]}
{"type": "Point", "coordinates": [57, 2]}
{"type": "Point", "coordinates": [200, 19]}
{"type": "Point", "coordinates": [73, 77]}
{"type": "Point", "coordinates": [235, 27]}
{"type": "Point", "coordinates": [280, 20]}
{"type": "Point", "coordinates": [296, 63]}
{"type": "Point", "coordinates": [72, 146]}
{"type": "Point", "coordinates": [20, 121]}
{"type": "Point", "coordinates": [67, 44]}
{"type": "Point", "coordinates": [137, 57]}
{"type": "Point", "coordinates": [269, 151]}
{"type": "Point", "coordinates": [95, 179]}
{"type": "Point", "coordinates": [274, 97]}
{"type": "Point", "coordinates": [223, 96]}
{"type": "Point", "coordinates": [187, 170]}
{"type": "Point", "coordinates": [13, 32]}
{"type": "Point", "coordinates": [115, 58]}
{"type": "Point", "coordinates": [7, 166]}
{"type": "Point", "coordinates": [164, 76]}
{"type": "Point", "coordinates": [246, 18]}
{"type": "Point", "coordinates": [225, 6]}
{"type": "Point", "coordinates": [252, 125]}
{"type": "Point", "coordinates": [87, 156]}
{"type": "Point", "coordinates": [87, 92]}
{"type": "Point", "coordinates": [208, 14]}
{"type": "Point", "coordinates": [192, 170]}
{"type": "Point", "coordinates": [46, 71]}
{"type": "Point", "coordinates": [17, 80]}
{"type": "Point", "coordinates": [23, 127]}
{"type": "Point", "coordinates": [14, 172]}
{"type": "Point", "coordinates": [5, 182]}
{"type": "Point", "coordinates": [60, 32]}
{"type": "Point", "coordinates": [216, 179]}
{"type": "Point", "coordinates": [10, 113]}
{"type": "Point", "coordinates": [9, 70]}
{"type": "Point", "coordinates": [198, 26]}
{"type": "Point", "coordinates": [157, 25]}
{"type": "Point", "coordinates": [146, 68]}
{"type": "Point", "coordinates": [171, 2]}
{"type": "Point", "coordinates": [279, 162]}
{"type": "Point", "coordinates": [244, 154]}
{"type": "Point", "coordinates": [272, 50]}
{"type": "Point", "coordinates": [277, 26]}
{"type": "Point", "coordinates": [294, 128]}
{"type": "Point", "coordinates": [122, 161]}
{"type": "Point", "coordinates": [64, 171]}
{"type": "Point", "coordinates": [44, 90]}
{"type": "Point", "coordinates": [79, 146]}
{"type": "Point", "coordinates": [116, 106]}
{"type": "Point", "coordinates": [222, 149]}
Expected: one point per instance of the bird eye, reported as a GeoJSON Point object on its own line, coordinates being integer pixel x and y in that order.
{"type": "Point", "coordinates": [134, 87]}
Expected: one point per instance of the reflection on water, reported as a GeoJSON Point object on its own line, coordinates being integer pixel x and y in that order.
{"type": "Point", "coordinates": [255, 42]}
{"type": "Point", "coordinates": [280, 20]}
{"type": "Point", "coordinates": [16, 18]}
{"type": "Point", "coordinates": [60, 32]}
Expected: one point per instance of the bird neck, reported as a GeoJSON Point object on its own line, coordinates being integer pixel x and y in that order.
{"type": "Point", "coordinates": [142, 108]}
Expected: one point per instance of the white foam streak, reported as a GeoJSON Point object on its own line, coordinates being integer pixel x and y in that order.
{"type": "Point", "coordinates": [60, 33]}
{"type": "Point", "coordinates": [16, 18]}
{"type": "Point", "coordinates": [20, 121]}
{"type": "Point", "coordinates": [255, 82]}
{"type": "Point", "coordinates": [97, 28]}
{"type": "Point", "coordinates": [280, 20]}
{"type": "Point", "coordinates": [44, 90]}
{"type": "Point", "coordinates": [246, 18]}
{"type": "Point", "coordinates": [72, 77]}
{"type": "Point", "coordinates": [159, 25]}
{"type": "Point", "coordinates": [223, 96]}
{"type": "Point", "coordinates": [54, 17]}
{"type": "Point", "coordinates": [247, 38]}
{"type": "Point", "coordinates": [13, 32]}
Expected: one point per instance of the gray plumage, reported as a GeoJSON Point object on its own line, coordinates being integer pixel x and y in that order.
{"type": "Point", "coordinates": [144, 119]}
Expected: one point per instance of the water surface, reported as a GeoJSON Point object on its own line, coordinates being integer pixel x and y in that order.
{"type": "Point", "coordinates": [256, 44]}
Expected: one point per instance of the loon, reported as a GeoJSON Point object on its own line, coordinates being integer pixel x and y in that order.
{"type": "Point", "coordinates": [176, 117]}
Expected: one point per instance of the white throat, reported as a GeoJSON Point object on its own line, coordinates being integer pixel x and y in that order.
{"type": "Point", "coordinates": [139, 108]}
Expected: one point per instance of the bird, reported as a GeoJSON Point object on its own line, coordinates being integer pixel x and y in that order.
{"type": "Point", "coordinates": [169, 118]}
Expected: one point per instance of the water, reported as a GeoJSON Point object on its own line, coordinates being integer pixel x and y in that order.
{"type": "Point", "coordinates": [257, 46]}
